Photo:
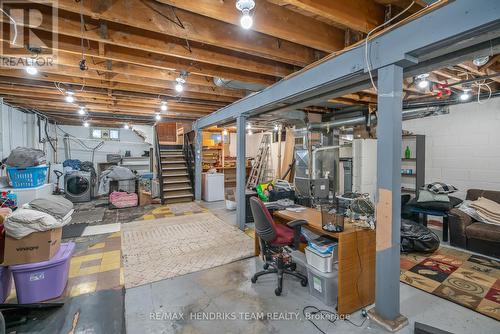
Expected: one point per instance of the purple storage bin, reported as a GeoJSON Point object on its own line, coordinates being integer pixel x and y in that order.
{"type": "Point", "coordinates": [36, 282]}
{"type": "Point", "coordinates": [5, 283]}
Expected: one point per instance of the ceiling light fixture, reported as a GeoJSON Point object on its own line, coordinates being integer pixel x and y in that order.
{"type": "Point", "coordinates": [245, 6]}
{"type": "Point", "coordinates": [224, 132]}
{"type": "Point", "coordinates": [86, 124]}
{"type": "Point", "coordinates": [181, 80]}
{"type": "Point", "coordinates": [276, 127]}
{"type": "Point", "coordinates": [31, 69]}
{"type": "Point", "coordinates": [480, 61]}
{"type": "Point", "coordinates": [126, 126]}
{"type": "Point", "coordinates": [164, 106]}
{"type": "Point", "coordinates": [81, 111]}
{"type": "Point", "coordinates": [422, 81]}
{"type": "Point", "coordinates": [465, 94]}
{"type": "Point", "coordinates": [69, 96]}
{"type": "Point", "coordinates": [249, 126]}
{"type": "Point", "coordinates": [250, 132]}
{"type": "Point", "coordinates": [158, 117]}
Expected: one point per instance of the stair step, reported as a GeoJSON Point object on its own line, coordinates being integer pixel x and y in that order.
{"type": "Point", "coordinates": [177, 194]}
{"type": "Point", "coordinates": [182, 162]}
{"type": "Point", "coordinates": [176, 188]}
{"type": "Point", "coordinates": [176, 179]}
{"type": "Point", "coordinates": [166, 176]}
{"type": "Point", "coordinates": [178, 200]}
{"type": "Point", "coordinates": [173, 156]}
{"type": "Point", "coordinates": [174, 168]}
{"type": "Point", "coordinates": [172, 151]}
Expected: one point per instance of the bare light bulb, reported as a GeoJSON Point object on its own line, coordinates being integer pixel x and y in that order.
{"type": "Point", "coordinates": [81, 111]}
{"type": "Point", "coordinates": [158, 117]}
{"type": "Point", "coordinates": [250, 132]}
{"type": "Point", "coordinates": [86, 124]}
{"type": "Point", "coordinates": [70, 98]}
{"type": "Point", "coordinates": [224, 132]}
{"type": "Point", "coordinates": [465, 95]}
{"type": "Point", "coordinates": [126, 127]}
{"type": "Point", "coordinates": [246, 21]}
{"type": "Point", "coordinates": [179, 88]}
{"type": "Point", "coordinates": [31, 70]}
{"type": "Point", "coordinates": [164, 106]}
{"type": "Point", "coordinates": [423, 84]}
{"type": "Point", "coordinates": [249, 126]}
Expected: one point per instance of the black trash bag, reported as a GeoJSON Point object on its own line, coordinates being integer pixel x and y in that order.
{"type": "Point", "coordinates": [416, 237]}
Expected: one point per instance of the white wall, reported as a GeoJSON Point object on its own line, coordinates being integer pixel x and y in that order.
{"type": "Point", "coordinates": [129, 141]}
{"type": "Point", "coordinates": [364, 163]}
{"type": "Point", "coordinates": [16, 129]}
{"type": "Point", "coordinates": [463, 147]}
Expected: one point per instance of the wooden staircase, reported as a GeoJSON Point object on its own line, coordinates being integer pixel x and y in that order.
{"type": "Point", "coordinates": [176, 185]}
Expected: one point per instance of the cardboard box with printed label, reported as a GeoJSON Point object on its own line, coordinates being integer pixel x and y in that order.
{"type": "Point", "coordinates": [36, 247]}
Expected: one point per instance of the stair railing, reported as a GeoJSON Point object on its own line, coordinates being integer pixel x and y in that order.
{"type": "Point", "coordinates": [188, 150]}
{"type": "Point", "coordinates": [158, 164]}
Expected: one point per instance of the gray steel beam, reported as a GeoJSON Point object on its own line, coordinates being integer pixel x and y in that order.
{"type": "Point", "coordinates": [240, 171]}
{"type": "Point", "coordinates": [390, 105]}
{"type": "Point", "coordinates": [424, 39]}
{"type": "Point", "coordinates": [198, 165]}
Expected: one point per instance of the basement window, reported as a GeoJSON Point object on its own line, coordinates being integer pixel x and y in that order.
{"type": "Point", "coordinates": [105, 134]}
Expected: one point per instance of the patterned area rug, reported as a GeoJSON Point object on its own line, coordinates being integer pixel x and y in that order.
{"type": "Point", "coordinates": [171, 210]}
{"type": "Point", "coordinates": [169, 247]}
{"type": "Point", "coordinates": [472, 281]}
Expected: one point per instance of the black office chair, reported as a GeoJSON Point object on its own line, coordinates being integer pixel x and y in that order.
{"type": "Point", "coordinates": [272, 238]}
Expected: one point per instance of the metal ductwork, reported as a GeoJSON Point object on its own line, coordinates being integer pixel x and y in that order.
{"type": "Point", "coordinates": [359, 120]}
{"type": "Point", "coordinates": [235, 84]}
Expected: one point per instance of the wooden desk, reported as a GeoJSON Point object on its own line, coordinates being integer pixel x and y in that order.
{"type": "Point", "coordinates": [356, 256]}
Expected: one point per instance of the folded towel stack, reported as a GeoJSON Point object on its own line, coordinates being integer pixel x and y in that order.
{"type": "Point", "coordinates": [39, 215]}
{"type": "Point", "coordinates": [487, 209]}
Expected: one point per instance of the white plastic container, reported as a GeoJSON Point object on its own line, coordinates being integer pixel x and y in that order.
{"type": "Point", "coordinates": [323, 285]}
{"type": "Point", "coordinates": [26, 195]}
{"type": "Point", "coordinates": [321, 262]}
{"type": "Point", "coordinates": [212, 188]}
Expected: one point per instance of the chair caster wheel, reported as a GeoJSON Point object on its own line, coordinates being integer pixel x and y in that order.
{"type": "Point", "coordinates": [253, 279]}
{"type": "Point", "coordinates": [277, 292]}
{"type": "Point", "coordinates": [303, 282]}
{"type": "Point", "coordinates": [266, 265]}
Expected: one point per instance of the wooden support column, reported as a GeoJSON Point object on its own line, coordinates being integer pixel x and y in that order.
{"type": "Point", "coordinates": [240, 171]}
{"type": "Point", "coordinates": [198, 165]}
{"type": "Point", "coordinates": [390, 92]}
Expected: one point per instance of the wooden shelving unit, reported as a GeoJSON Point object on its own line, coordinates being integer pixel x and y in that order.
{"type": "Point", "coordinates": [412, 182]}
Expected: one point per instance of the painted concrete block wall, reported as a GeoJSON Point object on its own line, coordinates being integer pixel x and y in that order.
{"type": "Point", "coordinates": [463, 147]}
{"type": "Point", "coordinates": [16, 129]}
{"type": "Point", "coordinates": [129, 141]}
{"type": "Point", "coordinates": [364, 160]}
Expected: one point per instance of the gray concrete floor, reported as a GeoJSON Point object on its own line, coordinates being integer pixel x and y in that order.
{"type": "Point", "coordinates": [175, 305]}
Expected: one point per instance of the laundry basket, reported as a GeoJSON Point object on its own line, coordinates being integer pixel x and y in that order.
{"type": "Point", "coordinates": [29, 177]}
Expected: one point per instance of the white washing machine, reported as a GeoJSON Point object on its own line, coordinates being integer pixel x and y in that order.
{"type": "Point", "coordinates": [78, 186]}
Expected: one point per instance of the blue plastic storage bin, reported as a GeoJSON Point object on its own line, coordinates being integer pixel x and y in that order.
{"type": "Point", "coordinates": [29, 177]}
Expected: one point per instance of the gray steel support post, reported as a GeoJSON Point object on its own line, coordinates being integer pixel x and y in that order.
{"type": "Point", "coordinates": [390, 90]}
{"type": "Point", "coordinates": [197, 165]}
{"type": "Point", "coordinates": [240, 171]}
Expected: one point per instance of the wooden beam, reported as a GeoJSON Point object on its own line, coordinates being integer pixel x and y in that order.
{"type": "Point", "coordinates": [358, 15]}
{"type": "Point", "coordinates": [272, 20]}
{"type": "Point", "coordinates": [68, 25]}
{"type": "Point", "coordinates": [83, 82]}
{"type": "Point", "coordinates": [159, 18]}
{"type": "Point", "coordinates": [155, 61]}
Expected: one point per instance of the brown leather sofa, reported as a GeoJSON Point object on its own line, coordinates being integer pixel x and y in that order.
{"type": "Point", "coordinates": [475, 236]}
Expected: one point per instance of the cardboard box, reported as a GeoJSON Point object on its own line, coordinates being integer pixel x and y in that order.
{"type": "Point", "coordinates": [36, 247]}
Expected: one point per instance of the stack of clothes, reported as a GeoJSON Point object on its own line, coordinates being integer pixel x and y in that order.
{"type": "Point", "coordinates": [39, 215]}
{"type": "Point", "coordinates": [436, 196]}
{"type": "Point", "coordinates": [482, 210]}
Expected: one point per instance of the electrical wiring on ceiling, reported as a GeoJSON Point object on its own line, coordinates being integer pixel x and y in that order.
{"type": "Point", "coordinates": [367, 58]}
{"type": "Point", "coordinates": [14, 38]}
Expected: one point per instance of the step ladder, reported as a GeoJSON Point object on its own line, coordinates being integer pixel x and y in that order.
{"type": "Point", "coordinates": [261, 171]}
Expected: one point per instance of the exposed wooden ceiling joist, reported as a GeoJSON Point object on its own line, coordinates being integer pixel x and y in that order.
{"type": "Point", "coordinates": [159, 18]}
{"type": "Point", "coordinates": [272, 20]}
{"type": "Point", "coordinates": [360, 15]}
